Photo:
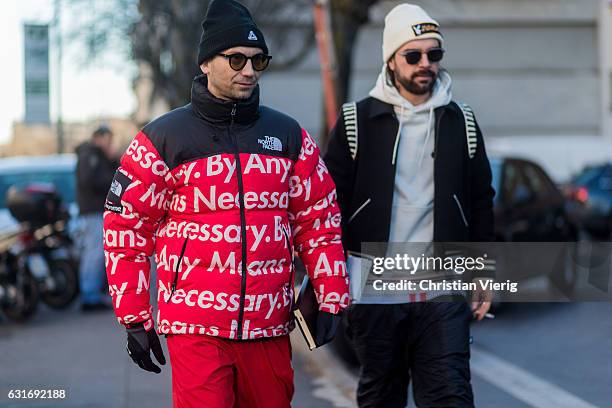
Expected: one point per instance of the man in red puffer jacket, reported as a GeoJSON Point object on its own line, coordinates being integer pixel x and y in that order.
{"type": "Point", "coordinates": [223, 190]}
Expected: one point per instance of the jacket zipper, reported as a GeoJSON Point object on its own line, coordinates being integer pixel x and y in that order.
{"type": "Point", "coordinates": [178, 264]}
{"type": "Point", "coordinates": [460, 209]}
{"type": "Point", "coordinates": [438, 121]}
{"type": "Point", "coordinates": [243, 232]}
{"type": "Point", "coordinates": [434, 155]}
{"type": "Point", "coordinates": [290, 286]}
{"type": "Point", "coordinates": [364, 205]}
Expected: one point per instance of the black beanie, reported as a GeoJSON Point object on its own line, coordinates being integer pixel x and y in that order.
{"type": "Point", "coordinates": [228, 24]}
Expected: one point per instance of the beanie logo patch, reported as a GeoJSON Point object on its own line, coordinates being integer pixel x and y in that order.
{"type": "Point", "coordinates": [425, 28]}
{"type": "Point", "coordinates": [252, 36]}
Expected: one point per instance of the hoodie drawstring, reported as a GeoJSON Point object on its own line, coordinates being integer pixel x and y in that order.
{"type": "Point", "coordinates": [429, 124]}
{"type": "Point", "coordinates": [397, 136]}
{"type": "Point", "coordinates": [399, 133]}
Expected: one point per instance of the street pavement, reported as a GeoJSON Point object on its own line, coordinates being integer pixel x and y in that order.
{"type": "Point", "coordinates": [552, 355]}
{"type": "Point", "coordinates": [539, 355]}
{"type": "Point", "coordinates": [84, 354]}
{"type": "Point", "coordinates": [543, 355]}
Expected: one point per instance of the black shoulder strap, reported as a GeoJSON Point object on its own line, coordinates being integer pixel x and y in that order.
{"type": "Point", "coordinates": [349, 114]}
{"type": "Point", "coordinates": [470, 128]}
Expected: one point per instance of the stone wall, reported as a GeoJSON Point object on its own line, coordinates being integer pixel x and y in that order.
{"type": "Point", "coordinates": [42, 140]}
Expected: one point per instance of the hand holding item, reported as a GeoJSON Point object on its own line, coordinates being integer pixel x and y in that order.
{"type": "Point", "coordinates": [327, 324]}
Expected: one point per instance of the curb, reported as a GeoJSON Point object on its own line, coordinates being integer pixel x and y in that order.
{"type": "Point", "coordinates": [335, 383]}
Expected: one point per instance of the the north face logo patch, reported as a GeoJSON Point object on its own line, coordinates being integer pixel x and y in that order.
{"type": "Point", "coordinates": [271, 143]}
{"type": "Point", "coordinates": [116, 188]}
{"type": "Point", "coordinates": [252, 36]}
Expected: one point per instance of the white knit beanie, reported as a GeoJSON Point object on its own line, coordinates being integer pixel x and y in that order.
{"type": "Point", "coordinates": [407, 22]}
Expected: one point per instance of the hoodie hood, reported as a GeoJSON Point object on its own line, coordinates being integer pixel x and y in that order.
{"type": "Point", "coordinates": [384, 91]}
{"type": "Point", "coordinates": [406, 112]}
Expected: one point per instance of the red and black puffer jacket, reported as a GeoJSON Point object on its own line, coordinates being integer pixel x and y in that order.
{"type": "Point", "coordinates": [222, 193]}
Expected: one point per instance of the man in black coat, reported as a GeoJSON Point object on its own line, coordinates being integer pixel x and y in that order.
{"type": "Point", "coordinates": [410, 166]}
{"type": "Point", "coordinates": [95, 170]}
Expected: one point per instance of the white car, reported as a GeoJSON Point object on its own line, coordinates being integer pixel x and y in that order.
{"type": "Point", "coordinates": [56, 169]}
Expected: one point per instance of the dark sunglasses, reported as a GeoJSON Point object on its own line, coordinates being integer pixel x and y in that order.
{"type": "Point", "coordinates": [414, 56]}
{"type": "Point", "coordinates": [237, 61]}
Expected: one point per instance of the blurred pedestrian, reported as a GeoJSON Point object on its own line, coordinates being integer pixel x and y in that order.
{"type": "Point", "coordinates": [223, 190]}
{"type": "Point", "coordinates": [410, 167]}
{"type": "Point", "coordinates": [96, 166]}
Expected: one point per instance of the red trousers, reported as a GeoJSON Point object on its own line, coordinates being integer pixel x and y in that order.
{"type": "Point", "coordinates": [218, 373]}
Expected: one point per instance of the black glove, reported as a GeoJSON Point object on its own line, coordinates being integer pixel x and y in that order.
{"type": "Point", "coordinates": [139, 345]}
{"type": "Point", "coordinates": [327, 324]}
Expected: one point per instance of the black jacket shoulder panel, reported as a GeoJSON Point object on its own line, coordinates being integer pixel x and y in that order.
{"type": "Point", "coordinates": [181, 136]}
{"type": "Point", "coordinates": [372, 107]}
{"type": "Point", "coordinates": [274, 124]}
{"type": "Point", "coordinates": [454, 108]}
{"type": "Point", "coordinates": [173, 133]}
{"type": "Point", "coordinates": [168, 124]}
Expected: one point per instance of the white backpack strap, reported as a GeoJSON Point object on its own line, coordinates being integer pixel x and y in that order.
{"type": "Point", "coordinates": [470, 128]}
{"type": "Point", "coordinates": [349, 114]}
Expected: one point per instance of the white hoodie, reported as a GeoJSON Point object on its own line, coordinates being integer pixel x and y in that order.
{"type": "Point", "coordinates": [413, 195]}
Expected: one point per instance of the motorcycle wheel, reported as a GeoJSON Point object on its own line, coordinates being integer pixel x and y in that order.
{"type": "Point", "coordinates": [25, 303]}
{"type": "Point", "coordinates": [66, 288]}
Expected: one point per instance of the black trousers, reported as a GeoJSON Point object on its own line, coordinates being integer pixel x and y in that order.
{"type": "Point", "coordinates": [428, 341]}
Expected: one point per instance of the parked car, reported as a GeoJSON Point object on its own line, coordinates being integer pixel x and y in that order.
{"type": "Point", "coordinates": [528, 206]}
{"type": "Point", "coordinates": [56, 169]}
{"type": "Point", "coordinates": [590, 195]}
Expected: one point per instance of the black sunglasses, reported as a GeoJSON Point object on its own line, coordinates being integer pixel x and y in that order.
{"type": "Point", "coordinates": [414, 56]}
{"type": "Point", "coordinates": [237, 61]}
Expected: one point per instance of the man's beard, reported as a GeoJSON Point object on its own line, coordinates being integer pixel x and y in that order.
{"type": "Point", "coordinates": [410, 85]}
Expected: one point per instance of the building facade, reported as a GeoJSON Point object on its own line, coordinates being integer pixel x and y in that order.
{"type": "Point", "coordinates": [537, 73]}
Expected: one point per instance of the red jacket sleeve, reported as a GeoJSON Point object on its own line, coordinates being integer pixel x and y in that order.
{"type": "Point", "coordinates": [315, 220]}
{"type": "Point", "coordinates": [137, 201]}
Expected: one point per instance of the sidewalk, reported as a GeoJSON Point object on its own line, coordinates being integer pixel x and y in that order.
{"type": "Point", "coordinates": [85, 355]}
{"type": "Point", "coordinates": [82, 354]}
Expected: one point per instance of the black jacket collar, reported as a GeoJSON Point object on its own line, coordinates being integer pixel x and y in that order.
{"type": "Point", "coordinates": [378, 107]}
{"type": "Point", "coordinates": [216, 110]}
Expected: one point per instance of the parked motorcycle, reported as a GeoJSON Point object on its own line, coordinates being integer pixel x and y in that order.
{"type": "Point", "coordinates": [44, 242]}
{"type": "Point", "coordinates": [18, 288]}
